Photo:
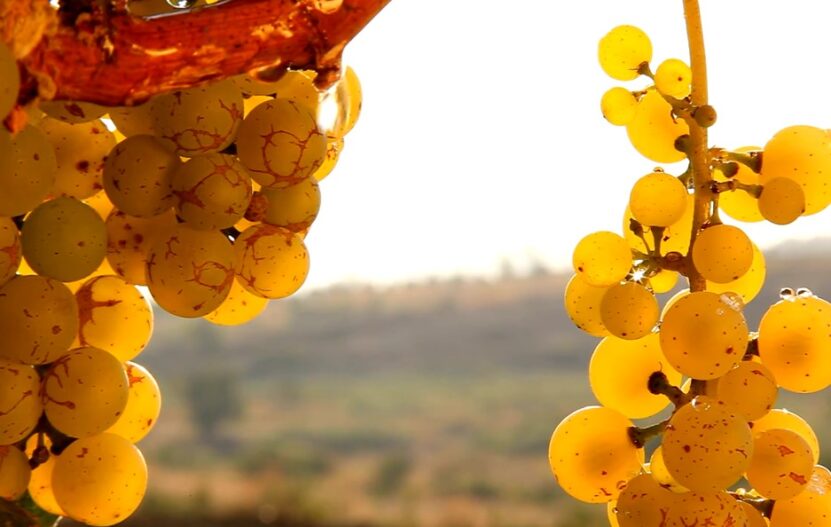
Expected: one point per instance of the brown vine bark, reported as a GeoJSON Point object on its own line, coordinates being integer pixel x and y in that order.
{"type": "Point", "coordinates": [100, 53]}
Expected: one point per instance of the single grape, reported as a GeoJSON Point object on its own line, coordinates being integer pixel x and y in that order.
{"type": "Point", "coordinates": [72, 112]}
{"type": "Point", "coordinates": [582, 303]}
{"type": "Point", "coordinates": [130, 238]}
{"type": "Point", "coordinates": [654, 129]}
{"type": "Point", "coordinates": [212, 191]}
{"type": "Point", "coordinates": [722, 253]}
{"type": "Point", "coordinates": [673, 78]}
{"type": "Point", "coordinates": [622, 51]}
{"type": "Point", "coordinates": [749, 284]}
{"type": "Point", "coordinates": [27, 170]}
{"type": "Point", "coordinates": [781, 465]}
{"type": "Point", "coordinates": [20, 405]}
{"type": "Point", "coordinates": [643, 503]}
{"type": "Point", "coordinates": [785, 420]}
{"type": "Point", "coordinates": [810, 508]}
{"type": "Point", "coordinates": [14, 473]}
{"type": "Point", "coordinates": [80, 150]}
{"type": "Point", "coordinates": [240, 307]}
{"type": "Point", "coordinates": [658, 200]}
{"type": "Point", "coordinates": [602, 258]}
{"type": "Point", "coordinates": [663, 282]}
{"type": "Point", "coordinates": [271, 262]}
{"type": "Point", "coordinates": [138, 176]}
{"type": "Point", "coordinates": [706, 508]}
{"type": "Point", "coordinates": [674, 238]}
{"type": "Point", "coordinates": [749, 388]}
{"type": "Point", "coordinates": [629, 310]}
{"type": "Point", "coordinates": [144, 403]}
{"type": "Point", "coordinates": [298, 86]}
{"type": "Point", "coordinates": [294, 207]}
{"type": "Point", "coordinates": [782, 201]}
{"type": "Point", "coordinates": [618, 106]}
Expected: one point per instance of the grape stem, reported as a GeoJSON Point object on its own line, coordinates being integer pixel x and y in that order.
{"type": "Point", "coordinates": [763, 505]}
{"type": "Point", "coordinates": [640, 436]}
{"type": "Point", "coordinates": [658, 384]}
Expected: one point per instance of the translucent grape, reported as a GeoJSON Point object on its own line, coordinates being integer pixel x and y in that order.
{"type": "Point", "coordinates": [781, 465]}
{"type": "Point", "coordinates": [212, 191]}
{"type": "Point", "coordinates": [722, 253]}
{"type": "Point", "coordinates": [294, 207]}
{"type": "Point", "coordinates": [114, 317]}
{"type": "Point", "coordinates": [782, 201]}
{"type": "Point", "coordinates": [654, 130]}
{"type": "Point", "coordinates": [673, 78]}
{"type": "Point", "coordinates": [811, 508]}
{"type": "Point", "coordinates": [129, 239]}
{"type": "Point", "coordinates": [658, 200]}
{"type": "Point", "coordinates": [749, 284]}
{"type": "Point", "coordinates": [675, 238]}
{"type": "Point", "coordinates": [643, 502]}
{"type": "Point", "coordinates": [706, 446]}
{"type": "Point", "coordinates": [334, 145]}
{"type": "Point", "coordinates": [113, 483]}
{"type": "Point", "coordinates": [271, 262]}
{"type": "Point", "coordinates": [622, 51]}
{"type": "Point", "coordinates": [298, 86]}
{"type": "Point", "coordinates": [663, 282]}
{"type": "Point", "coordinates": [134, 120]}
{"type": "Point", "coordinates": [658, 469]}
{"type": "Point", "coordinates": [618, 106]}
{"type": "Point", "coordinates": [73, 112]}
{"type": "Point", "coordinates": [10, 87]}
{"type": "Point", "coordinates": [40, 484]}
{"type": "Point", "coordinates": [785, 420]}
{"type": "Point", "coordinates": [144, 403]}
{"type": "Point", "coordinates": [706, 508]}
{"type": "Point", "coordinates": [240, 307]}
{"type": "Point", "coordinates": [138, 176]}
{"type": "Point", "coordinates": [591, 455]}
{"type": "Point", "coordinates": [80, 150]}
{"type": "Point", "coordinates": [14, 473]}
{"type": "Point", "coordinates": [20, 405]}
{"type": "Point", "coordinates": [27, 170]}
{"type": "Point", "coordinates": [794, 339]}
{"type": "Point", "coordinates": [9, 249]}
{"type": "Point", "coordinates": [349, 98]}
{"type": "Point", "coordinates": [582, 303]}
{"type": "Point", "coordinates": [629, 310]}
{"type": "Point", "coordinates": [64, 239]}
{"type": "Point", "coordinates": [702, 336]}
{"type": "Point", "coordinates": [602, 258]}
{"type": "Point", "coordinates": [619, 372]}
{"type": "Point", "coordinates": [84, 392]}
{"type": "Point", "coordinates": [38, 319]}
{"type": "Point", "coordinates": [739, 204]}
{"type": "Point", "coordinates": [749, 388]}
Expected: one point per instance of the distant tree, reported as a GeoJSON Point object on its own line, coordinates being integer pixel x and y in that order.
{"type": "Point", "coordinates": [213, 397]}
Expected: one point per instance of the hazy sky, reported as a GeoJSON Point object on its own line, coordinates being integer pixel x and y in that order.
{"type": "Point", "coordinates": [481, 137]}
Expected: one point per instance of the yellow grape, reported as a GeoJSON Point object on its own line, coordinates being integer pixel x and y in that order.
{"type": "Point", "coordinates": [20, 405]}
{"type": "Point", "coordinates": [654, 130]}
{"type": "Point", "coordinates": [298, 86]}
{"type": "Point", "coordinates": [739, 204]}
{"type": "Point", "coordinates": [602, 258]}
{"type": "Point", "coordinates": [37, 339]}
{"type": "Point", "coordinates": [212, 191]}
{"type": "Point", "coordinates": [783, 419]}
{"type": "Point", "coordinates": [84, 392]}
{"type": "Point", "coordinates": [658, 200]}
{"type": "Point", "coordinates": [658, 469]}
{"type": "Point", "coordinates": [619, 372]}
{"type": "Point", "coordinates": [114, 317]}
{"type": "Point", "coordinates": [72, 112]}
{"type": "Point", "coordinates": [349, 98]}
{"type": "Point", "coordinates": [144, 403]}
{"type": "Point", "coordinates": [700, 509]}
{"type": "Point", "coordinates": [749, 284]}
{"type": "Point", "coordinates": [618, 106]}
{"type": "Point", "coordinates": [133, 120]}
{"type": "Point", "coordinates": [198, 120]}
{"type": "Point", "coordinates": [629, 310]}
{"type": "Point", "coordinates": [190, 272]}
{"type": "Point", "coordinates": [675, 238]}
{"type": "Point", "coordinates": [280, 143]}
{"type": "Point", "coordinates": [130, 238]}
{"type": "Point", "coordinates": [14, 473]}
{"type": "Point", "coordinates": [643, 503]}
{"type": "Point", "coordinates": [673, 78]}
{"type": "Point", "coordinates": [702, 336]}
{"type": "Point", "coordinates": [811, 508]}
{"type": "Point", "coordinates": [64, 239]}
{"type": "Point", "coordinates": [334, 145]}
{"type": "Point", "coordinates": [781, 465]}
{"type": "Point", "coordinates": [101, 203]}
{"type": "Point", "coordinates": [754, 517]}
{"type": "Point", "coordinates": [240, 307]}
{"type": "Point", "coordinates": [591, 455]}
{"type": "Point", "coordinates": [9, 249]}
{"type": "Point", "coordinates": [252, 102]}
{"type": "Point", "coordinates": [782, 201]}
{"type": "Point", "coordinates": [294, 207]}
{"type": "Point", "coordinates": [80, 150]}
{"type": "Point", "coordinates": [749, 388]}
{"type": "Point", "coordinates": [794, 343]}
{"type": "Point", "coordinates": [271, 262]}
{"type": "Point", "coordinates": [582, 303]}
{"type": "Point", "coordinates": [663, 282]}
{"type": "Point", "coordinates": [803, 154]}
{"type": "Point", "coordinates": [40, 484]}
{"type": "Point", "coordinates": [100, 480]}
{"type": "Point", "coordinates": [706, 446]}
{"type": "Point", "coordinates": [10, 87]}
{"type": "Point", "coordinates": [138, 176]}
{"type": "Point", "coordinates": [722, 253]}
{"type": "Point", "coordinates": [27, 170]}
{"type": "Point", "coordinates": [622, 51]}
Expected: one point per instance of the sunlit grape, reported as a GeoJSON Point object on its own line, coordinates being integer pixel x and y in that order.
{"type": "Point", "coordinates": [334, 145]}
{"type": "Point", "coordinates": [673, 78]}
{"type": "Point", "coordinates": [144, 404]}
{"type": "Point", "coordinates": [739, 204]}
{"type": "Point", "coordinates": [658, 200]}
{"type": "Point", "coordinates": [241, 306]}
{"type": "Point", "coordinates": [349, 98]}
{"type": "Point", "coordinates": [629, 310]}
{"type": "Point", "coordinates": [749, 284]}
{"type": "Point", "coordinates": [783, 419]}
{"type": "Point", "coordinates": [749, 388]}
{"type": "Point", "coordinates": [722, 253]}
{"type": "Point", "coordinates": [810, 508]}
{"type": "Point", "coordinates": [803, 154]}
{"type": "Point", "coordinates": [622, 50]}
{"type": "Point", "coordinates": [643, 502]}
{"type": "Point", "coordinates": [618, 106]}
{"type": "Point", "coordinates": [129, 239]}
{"type": "Point", "coordinates": [27, 170]}
{"type": "Point", "coordinates": [271, 262]}
{"type": "Point", "coordinates": [658, 469]}
{"type": "Point", "coordinates": [706, 508]}
{"type": "Point", "coordinates": [602, 258]}
{"type": "Point", "coordinates": [80, 150]}
{"type": "Point", "coordinates": [582, 303]}
{"type": "Point", "coordinates": [294, 207]}
{"type": "Point", "coordinates": [20, 405]}
{"type": "Point", "coordinates": [654, 130]}
{"type": "Point", "coordinates": [782, 201]}
{"type": "Point", "coordinates": [212, 191]}
{"type": "Point", "coordinates": [781, 465]}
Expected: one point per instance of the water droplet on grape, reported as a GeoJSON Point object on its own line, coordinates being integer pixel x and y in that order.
{"type": "Point", "coordinates": [181, 4]}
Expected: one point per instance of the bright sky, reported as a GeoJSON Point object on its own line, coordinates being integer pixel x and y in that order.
{"type": "Point", "coordinates": [481, 138]}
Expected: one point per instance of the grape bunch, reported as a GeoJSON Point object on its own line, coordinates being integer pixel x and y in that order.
{"type": "Point", "coordinates": [725, 456]}
{"type": "Point", "coordinates": [199, 198]}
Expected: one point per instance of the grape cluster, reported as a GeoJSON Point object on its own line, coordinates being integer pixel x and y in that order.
{"type": "Point", "coordinates": [726, 456]}
{"type": "Point", "coordinates": [200, 198]}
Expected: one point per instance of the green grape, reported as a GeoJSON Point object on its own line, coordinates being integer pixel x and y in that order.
{"type": "Point", "coordinates": [80, 150]}
{"type": "Point", "coordinates": [702, 336]}
{"type": "Point", "coordinates": [294, 207]}
{"type": "Point", "coordinates": [618, 106]}
{"type": "Point", "coordinates": [38, 319]}
{"type": "Point", "coordinates": [722, 253]}
{"type": "Point", "coordinates": [280, 143]}
{"type": "Point", "coordinates": [619, 372]}
{"type": "Point", "coordinates": [810, 508]}
{"type": "Point", "coordinates": [591, 455]}
{"type": "Point", "coordinates": [271, 262]}
{"type": "Point", "coordinates": [40, 484]}
{"type": "Point", "coordinates": [793, 344]}
{"type": "Point", "coordinates": [27, 170]}
{"type": "Point", "coordinates": [20, 405]}
{"type": "Point", "coordinates": [100, 480]}
{"type": "Point", "coordinates": [114, 316]}
{"type": "Point", "coordinates": [129, 239]}
{"type": "Point", "coordinates": [190, 272]}
{"type": "Point", "coordinates": [785, 420]}
{"type": "Point", "coordinates": [749, 388]}
{"type": "Point", "coordinates": [582, 303]}
{"type": "Point", "coordinates": [803, 154]}
{"type": "Point", "coordinates": [240, 307]}
{"type": "Point", "coordinates": [84, 392]}
{"type": "Point", "coordinates": [675, 238]}
{"type": "Point", "coordinates": [348, 98]}
{"type": "Point", "coordinates": [782, 201]}
{"type": "Point", "coordinates": [334, 145]}
{"type": "Point", "coordinates": [673, 78]}
{"type": "Point", "coordinates": [14, 473]}
{"type": "Point", "coordinates": [738, 204]}
{"type": "Point", "coordinates": [64, 239]}
{"type": "Point", "coordinates": [602, 258]}
{"type": "Point", "coordinates": [663, 282]}
{"type": "Point", "coordinates": [699, 509]}
{"type": "Point", "coordinates": [658, 469]}
{"type": "Point", "coordinates": [138, 176]}
{"type": "Point", "coordinates": [754, 517]}
{"type": "Point", "coordinates": [643, 502]}
{"type": "Point", "coordinates": [629, 310]}
{"type": "Point", "coordinates": [654, 130]}
{"type": "Point", "coordinates": [199, 120]}
{"type": "Point", "coordinates": [781, 465]}
{"type": "Point", "coordinates": [10, 87]}
{"type": "Point", "coordinates": [9, 249]}
{"type": "Point", "coordinates": [749, 284]}
{"type": "Point", "coordinates": [72, 112]}
{"type": "Point", "coordinates": [144, 403]}
{"type": "Point", "coordinates": [706, 446]}
{"type": "Point", "coordinates": [658, 200]}
{"type": "Point", "coordinates": [212, 191]}
{"type": "Point", "coordinates": [134, 120]}
{"type": "Point", "coordinates": [622, 51]}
